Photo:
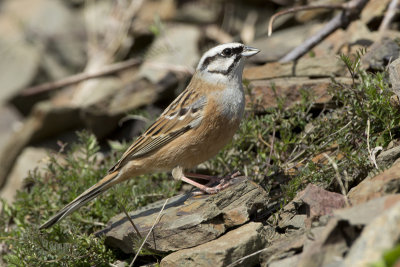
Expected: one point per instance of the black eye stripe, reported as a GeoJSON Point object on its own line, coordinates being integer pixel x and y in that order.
{"type": "Point", "coordinates": [228, 52]}
{"type": "Point", "coordinates": [235, 52]}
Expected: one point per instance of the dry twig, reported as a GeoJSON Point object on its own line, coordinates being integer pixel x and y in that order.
{"type": "Point", "coordinates": [130, 219]}
{"type": "Point", "coordinates": [148, 234]}
{"type": "Point", "coordinates": [350, 11]}
{"type": "Point", "coordinates": [390, 13]}
{"type": "Point", "coordinates": [81, 77]}
{"type": "Point", "coordinates": [301, 8]}
{"type": "Point", "coordinates": [338, 178]}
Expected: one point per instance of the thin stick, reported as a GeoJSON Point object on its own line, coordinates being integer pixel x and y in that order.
{"type": "Point", "coordinates": [301, 8]}
{"type": "Point", "coordinates": [338, 178]}
{"type": "Point", "coordinates": [130, 219]}
{"type": "Point", "coordinates": [246, 257]}
{"type": "Point", "coordinates": [390, 13]}
{"type": "Point", "coordinates": [81, 77]}
{"type": "Point", "coordinates": [351, 10]}
{"type": "Point", "coordinates": [148, 234]}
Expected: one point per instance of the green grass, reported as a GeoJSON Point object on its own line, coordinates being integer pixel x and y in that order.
{"type": "Point", "coordinates": [71, 242]}
{"type": "Point", "coordinates": [275, 147]}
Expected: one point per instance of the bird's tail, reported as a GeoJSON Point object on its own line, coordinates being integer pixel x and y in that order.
{"type": "Point", "coordinates": [100, 187]}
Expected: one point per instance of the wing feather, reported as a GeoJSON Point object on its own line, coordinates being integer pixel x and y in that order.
{"type": "Point", "coordinates": [182, 115]}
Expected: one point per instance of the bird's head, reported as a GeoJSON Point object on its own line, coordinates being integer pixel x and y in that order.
{"type": "Point", "coordinates": [224, 61]}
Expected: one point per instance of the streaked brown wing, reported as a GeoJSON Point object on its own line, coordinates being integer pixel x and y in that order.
{"type": "Point", "coordinates": [182, 115]}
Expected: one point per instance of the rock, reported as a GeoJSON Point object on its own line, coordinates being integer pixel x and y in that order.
{"type": "Point", "coordinates": [282, 247]}
{"type": "Point", "coordinates": [28, 160]}
{"type": "Point", "coordinates": [10, 121]}
{"type": "Point", "coordinates": [308, 67]}
{"type": "Point", "coordinates": [381, 53]}
{"type": "Point", "coordinates": [275, 47]}
{"type": "Point", "coordinates": [221, 252]}
{"type": "Point", "coordinates": [19, 59]}
{"type": "Point", "coordinates": [348, 41]}
{"type": "Point", "coordinates": [44, 121]}
{"type": "Point", "coordinates": [394, 76]}
{"type": "Point", "coordinates": [374, 9]}
{"type": "Point", "coordinates": [364, 213]}
{"type": "Point", "coordinates": [387, 182]}
{"type": "Point", "coordinates": [264, 93]}
{"type": "Point", "coordinates": [388, 157]}
{"type": "Point", "coordinates": [285, 262]}
{"type": "Point", "coordinates": [58, 28]}
{"type": "Point", "coordinates": [330, 238]}
{"type": "Point", "coordinates": [198, 12]}
{"type": "Point", "coordinates": [189, 221]}
{"type": "Point", "coordinates": [309, 204]}
{"type": "Point", "coordinates": [309, 15]}
{"type": "Point", "coordinates": [330, 245]}
{"type": "Point", "coordinates": [381, 234]}
{"type": "Point", "coordinates": [175, 48]}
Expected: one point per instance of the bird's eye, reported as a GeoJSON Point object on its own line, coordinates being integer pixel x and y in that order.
{"type": "Point", "coordinates": [227, 52]}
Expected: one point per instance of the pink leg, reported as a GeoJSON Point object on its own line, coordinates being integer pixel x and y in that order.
{"type": "Point", "coordinates": [204, 188]}
{"type": "Point", "coordinates": [224, 182]}
{"type": "Point", "coordinates": [201, 176]}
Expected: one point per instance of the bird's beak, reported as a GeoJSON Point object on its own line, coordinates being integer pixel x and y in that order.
{"type": "Point", "coordinates": [249, 51]}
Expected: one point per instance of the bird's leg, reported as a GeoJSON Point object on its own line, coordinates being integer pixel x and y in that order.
{"type": "Point", "coordinates": [223, 182]}
{"type": "Point", "coordinates": [207, 189]}
{"type": "Point", "coordinates": [201, 176]}
{"type": "Point", "coordinates": [213, 179]}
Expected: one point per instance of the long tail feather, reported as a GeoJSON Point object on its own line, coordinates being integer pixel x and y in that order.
{"type": "Point", "coordinates": [82, 199]}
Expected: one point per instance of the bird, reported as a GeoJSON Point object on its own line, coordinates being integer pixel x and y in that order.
{"type": "Point", "coordinates": [192, 129]}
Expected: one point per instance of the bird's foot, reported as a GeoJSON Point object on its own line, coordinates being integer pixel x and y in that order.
{"type": "Point", "coordinates": [221, 183]}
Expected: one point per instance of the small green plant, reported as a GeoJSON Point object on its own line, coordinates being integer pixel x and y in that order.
{"type": "Point", "coordinates": [288, 142]}
{"type": "Point", "coordinates": [389, 258]}
{"type": "Point", "coordinates": [71, 242]}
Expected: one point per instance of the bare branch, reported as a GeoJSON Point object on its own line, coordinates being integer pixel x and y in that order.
{"type": "Point", "coordinates": [301, 8]}
{"type": "Point", "coordinates": [81, 77]}
{"type": "Point", "coordinates": [148, 234]}
{"type": "Point", "coordinates": [338, 178]}
{"type": "Point", "coordinates": [351, 11]}
{"type": "Point", "coordinates": [130, 219]}
{"type": "Point", "coordinates": [391, 11]}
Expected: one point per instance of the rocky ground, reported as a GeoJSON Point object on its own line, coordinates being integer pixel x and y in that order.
{"type": "Point", "coordinates": [320, 178]}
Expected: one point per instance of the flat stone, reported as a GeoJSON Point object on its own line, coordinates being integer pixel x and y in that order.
{"type": "Point", "coordinates": [58, 27]}
{"type": "Point", "coordinates": [285, 262]}
{"type": "Point", "coordinates": [19, 59]}
{"type": "Point", "coordinates": [10, 121]}
{"type": "Point", "coordinates": [175, 47]}
{"type": "Point", "coordinates": [387, 182]}
{"type": "Point", "coordinates": [373, 9]}
{"type": "Point", "coordinates": [388, 157]}
{"type": "Point", "coordinates": [45, 120]}
{"type": "Point", "coordinates": [276, 46]}
{"type": "Point", "coordinates": [305, 67]}
{"type": "Point", "coordinates": [381, 53]}
{"type": "Point", "coordinates": [188, 221]}
{"type": "Point", "coordinates": [348, 41]}
{"type": "Point", "coordinates": [282, 247]}
{"type": "Point", "coordinates": [381, 234]}
{"type": "Point", "coordinates": [28, 160]}
{"type": "Point", "coordinates": [220, 252]}
{"type": "Point", "coordinates": [264, 93]}
{"type": "Point", "coordinates": [364, 213]}
{"type": "Point", "coordinates": [330, 245]}
{"type": "Point", "coordinates": [309, 204]}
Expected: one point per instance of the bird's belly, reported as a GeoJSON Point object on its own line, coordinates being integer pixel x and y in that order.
{"type": "Point", "coordinates": [209, 145]}
{"type": "Point", "coordinates": [196, 146]}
